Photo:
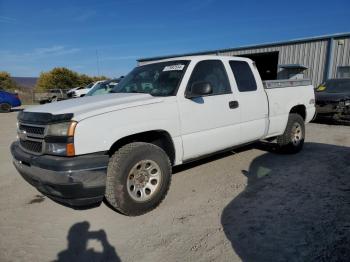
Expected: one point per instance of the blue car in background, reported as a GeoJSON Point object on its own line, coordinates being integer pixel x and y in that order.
{"type": "Point", "coordinates": [8, 101]}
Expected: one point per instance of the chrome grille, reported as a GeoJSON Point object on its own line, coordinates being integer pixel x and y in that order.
{"type": "Point", "coordinates": [31, 137]}
{"type": "Point", "coordinates": [32, 146]}
{"type": "Point", "coordinates": [30, 129]}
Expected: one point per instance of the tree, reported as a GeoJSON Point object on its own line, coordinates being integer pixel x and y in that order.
{"type": "Point", "coordinates": [84, 80]}
{"type": "Point", "coordinates": [6, 82]}
{"type": "Point", "coordinates": [98, 78]}
{"type": "Point", "coordinates": [63, 78]}
{"type": "Point", "coordinates": [59, 77]}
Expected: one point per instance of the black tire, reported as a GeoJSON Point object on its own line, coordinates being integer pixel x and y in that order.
{"type": "Point", "coordinates": [121, 163]}
{"type": "Point", "coordinates": [5, 108]}
{"type": "Point", "coordinates": [287, 143]}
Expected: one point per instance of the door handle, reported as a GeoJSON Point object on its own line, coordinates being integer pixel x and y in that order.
{"type": "Point", "coordinates": [233, 104]}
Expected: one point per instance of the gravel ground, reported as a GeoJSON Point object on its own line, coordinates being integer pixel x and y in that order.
{"type": "Point", "coordinates": [248, 205]}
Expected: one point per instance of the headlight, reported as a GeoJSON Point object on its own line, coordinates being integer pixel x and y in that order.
{"type": "Point", "coordinates": [61, 129]}
{"type": "Point", "coordinates": [60, 139]}
{"type": "Point", "coordinates": [60, 149]}
{"type": "Point", "coordinates": [341, 103]}
{"type": "Point", "coordinates": [56, 149]}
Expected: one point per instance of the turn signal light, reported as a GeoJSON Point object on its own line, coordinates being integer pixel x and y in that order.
{"type": "Point", "coordinates": [70, 151]}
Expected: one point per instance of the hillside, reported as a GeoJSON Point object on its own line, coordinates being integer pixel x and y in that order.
{"type": "Point", "coordinates": [26, 82]}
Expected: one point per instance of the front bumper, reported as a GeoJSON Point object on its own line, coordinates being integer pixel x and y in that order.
{"type": "Point", "coordinates": [75, 181]}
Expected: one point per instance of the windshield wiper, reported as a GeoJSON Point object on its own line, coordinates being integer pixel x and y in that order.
{"type": "Point", "coordinates": [139, 92]}
{"type": "Point", "coordinates": [131, 92]}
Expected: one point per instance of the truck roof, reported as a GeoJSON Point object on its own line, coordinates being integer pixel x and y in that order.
{"type": "Point", "coordinates": [200, 57]}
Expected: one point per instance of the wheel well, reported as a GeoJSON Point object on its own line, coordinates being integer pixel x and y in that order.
{"type": "Point", "coordinates": [300, 110]}
{"type": "Point", "coordinates": [159, 138]}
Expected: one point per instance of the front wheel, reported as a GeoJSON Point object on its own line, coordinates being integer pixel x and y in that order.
{"type": "Point", "coordinates": [138, 178]}
{"type": "Point", "coordinates": [292, 140]}
{"type": "Point", "coordinates": [5, 108]}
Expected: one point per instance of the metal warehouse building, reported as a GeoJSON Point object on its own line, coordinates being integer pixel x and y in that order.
{"type": "Point", "coordinates": [315, 58]}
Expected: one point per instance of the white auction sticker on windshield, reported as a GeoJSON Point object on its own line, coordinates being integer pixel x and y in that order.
{"type": "Point", "coordinates": [174, 68]}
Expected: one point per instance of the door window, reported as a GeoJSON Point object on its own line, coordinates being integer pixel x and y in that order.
{"type": "Point", "coordinates": [212, 71]}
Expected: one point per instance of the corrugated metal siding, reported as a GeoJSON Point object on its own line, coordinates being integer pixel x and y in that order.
{"type": "Point", "coordinates": [341, 54]}
{"type": "Point", "coordinates": [310, 54]}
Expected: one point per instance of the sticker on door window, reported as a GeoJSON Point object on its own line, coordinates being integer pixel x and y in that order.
{"type": "Point", "coordinates": [173, 68]}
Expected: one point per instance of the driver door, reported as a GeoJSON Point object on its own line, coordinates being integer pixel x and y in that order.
{"type": "Point", "coordinates": [209, 123]}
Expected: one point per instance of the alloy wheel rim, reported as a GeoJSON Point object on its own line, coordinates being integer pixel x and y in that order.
{"type": "Point", "coordinates": [297, 134]}
{"type": "Point", "coordinates": [144, 180]}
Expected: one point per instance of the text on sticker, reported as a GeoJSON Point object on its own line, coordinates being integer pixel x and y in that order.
{"type": "Point", "coordinates": [174, 68]}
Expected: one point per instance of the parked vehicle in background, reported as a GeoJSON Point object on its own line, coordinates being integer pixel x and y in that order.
{"type": "Point", "coordinates": [81, 91]}
{"type": "Point", "coordinates": [8, 101]}
{"type": "Point", "coordinates": [122, 146]}
{"type": "Point", "coordinates": [53, 95]}
{"type": "Point", "coordinates": [71, 91]}
{"type": "Point", "coordinates": [104, 87]}
{"type": "Point", "coordinates": [333, 100]}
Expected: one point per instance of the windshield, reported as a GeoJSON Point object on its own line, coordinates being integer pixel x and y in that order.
{"type": "Point", "coordinates": [335, 86]}
{"type": "Point", "coordinates": [102, 88]}
{"type": "Point", "coordinates": [158, 79]}
{"type": "Point", "coordinates": [88, 86]}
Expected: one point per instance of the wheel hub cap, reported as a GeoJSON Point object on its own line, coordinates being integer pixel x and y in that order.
{"type": "Point", "coordinates": [144, 180]}
{"type": "Point", "coordinates": [297, 134]}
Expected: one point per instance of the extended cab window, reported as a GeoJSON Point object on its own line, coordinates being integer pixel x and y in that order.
{"type": "Point", "coordinates": [244, 76]}
{"type": "Point", "coordinates": [212, 71]}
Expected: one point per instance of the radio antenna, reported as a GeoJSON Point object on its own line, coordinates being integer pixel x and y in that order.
{"type": "Point", "coordinates": [97, 63]}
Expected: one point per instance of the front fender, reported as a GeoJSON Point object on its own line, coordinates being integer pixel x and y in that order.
{"type": "Point", "coordinates": [100, 132]}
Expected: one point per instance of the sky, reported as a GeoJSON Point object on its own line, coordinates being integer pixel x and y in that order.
{"type": "Point", "coordinates": [106, 37]}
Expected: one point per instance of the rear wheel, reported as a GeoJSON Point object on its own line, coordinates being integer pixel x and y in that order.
{"type": "Point", "coordinates": [5, 108]}
{"type": "Point", "coordinates": [138, 178]}
{"type": "Point", "coordinates": [292, 140]}
{"type": "Point", "coordinates": [54, 99]}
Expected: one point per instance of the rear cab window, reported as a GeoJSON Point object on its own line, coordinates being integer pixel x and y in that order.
{"type": "Point", "coordinates": [243, 75]}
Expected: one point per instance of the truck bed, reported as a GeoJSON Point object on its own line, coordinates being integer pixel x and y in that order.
{"type": "Point", "coordinates": [269, 84]}
{"type": "Point", "coordinates": [279, 107]}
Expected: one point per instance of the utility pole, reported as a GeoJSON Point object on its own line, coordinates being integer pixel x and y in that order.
{"type": "Point", "coordinates": [97, 64]}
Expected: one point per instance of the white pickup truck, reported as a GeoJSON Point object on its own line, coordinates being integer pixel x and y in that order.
{"type": "Point", "coordinates": [122, 146]}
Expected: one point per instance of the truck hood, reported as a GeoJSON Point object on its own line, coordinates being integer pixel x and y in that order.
{"type": "Point", "coordinates": [88, 106]}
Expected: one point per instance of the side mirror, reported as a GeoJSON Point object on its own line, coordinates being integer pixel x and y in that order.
{"type": "Point", "coordinates": [199, 89]}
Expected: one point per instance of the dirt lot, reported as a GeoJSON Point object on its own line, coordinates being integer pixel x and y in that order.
{"type": "Point", "coordinates": [252, 205]}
